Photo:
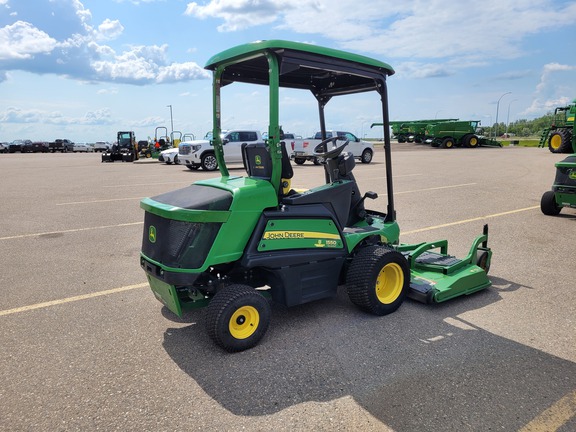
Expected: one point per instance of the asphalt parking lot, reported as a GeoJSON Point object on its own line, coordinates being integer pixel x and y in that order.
{"type": "Point", "coordinates": [86, 346]}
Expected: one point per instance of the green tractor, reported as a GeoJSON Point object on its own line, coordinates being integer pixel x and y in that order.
{"type": "Point", "coordinates": [560, 134]}
{"type": "Point", "coordinates": [161, 142]}
{"type": "Point", "coordinates": [236, 242]}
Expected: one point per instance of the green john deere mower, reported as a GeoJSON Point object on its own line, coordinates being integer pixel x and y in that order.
{"type": "Point", "coordinates": [234, 243]}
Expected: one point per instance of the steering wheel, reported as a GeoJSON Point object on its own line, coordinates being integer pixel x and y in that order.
{"type": "Point", "coordinates": [329, 154]}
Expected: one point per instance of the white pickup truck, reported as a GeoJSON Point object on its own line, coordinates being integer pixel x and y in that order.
{"type": "Point", "coordinates": [303, 149]}
{"type": "Point", "coordinates": [200, 153]}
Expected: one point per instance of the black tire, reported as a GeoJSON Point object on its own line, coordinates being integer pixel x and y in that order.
{"type": "Point", "coordinates": [237, 318]}
{"type": "Point", "coordinates": [470, 141]}
{"type": "Point", "coordinates": [367, 156]}
{"type": "Point", "coordinates": [482, 260]}
{"type": "Point", "coordinates": [176, 160]}
{"type": "Point", "coordinates": [378, 280]}
{"type": "Point", "coordinates": [299, 161]}
{"type": "Point", "coordinates": [560, 141]}
{"type": "Point", "coordinates": [192, 167]}
{"type": "Point", "coordinates": [209, 162]}
{"type": "Point", "coordinates": [316, 161]}
{"type": "Point", "coordinates": [548, 204]}
{"type": "Point", "coordinates": [401, 138]}
{"type": "Point", "coordinates": [448, 143]}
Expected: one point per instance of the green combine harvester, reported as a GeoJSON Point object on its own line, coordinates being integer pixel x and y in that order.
{"type": "Point", "coordinates": [236, 242]}
{"type": "Point", "coordinates": [411, 130]}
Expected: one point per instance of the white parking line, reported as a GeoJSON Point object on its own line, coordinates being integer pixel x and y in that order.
{"type": "Point", "coordinates": [436, 188]}
{"type": "Point", "coordinates": [129, 287]}
{"type": "Point", "coordinates": [430, 228]}
{"type": "Point", "coordinates": [98, 201]}
{"type": "Point", "coordinates": [71, 299]}
{"type": "Point", "coordinates": [144, 184]}
{"type": "Point", "coordinates": [70, 231]}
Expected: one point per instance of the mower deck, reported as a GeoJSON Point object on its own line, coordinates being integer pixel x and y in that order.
{"type": "Point", "coordinates": [437, 276]}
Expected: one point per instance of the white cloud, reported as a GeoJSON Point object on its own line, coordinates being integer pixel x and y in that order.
{"type": "Point", "coordinates": [556, 81]}
{"type": "Point", "coordinates": [110, 29]}
{"type": "Point", "coordinates": [434, 29]}
{"type": "Point", "coordinates": [22, 40]}
{"type": "Point", "coordinates": [146, 64]}
{"type": "Point", "coordinates": [17, 115]}
{"type": "Point", "coordinates": [242, 14]}
{"type": "Point", "coordinates": [60, 39]}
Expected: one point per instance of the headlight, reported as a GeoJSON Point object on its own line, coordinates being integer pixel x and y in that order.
{"type": "Point", "coordinates": [196, 147]}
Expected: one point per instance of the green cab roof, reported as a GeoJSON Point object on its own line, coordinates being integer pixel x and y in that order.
{"type": "Point", "coordinates": [302, 65]}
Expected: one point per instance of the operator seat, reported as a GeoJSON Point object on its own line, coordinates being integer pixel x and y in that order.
{"type": "Point", "coordinates": [342, 197]}
{"type": "Point", "coordinates": [258, 164]}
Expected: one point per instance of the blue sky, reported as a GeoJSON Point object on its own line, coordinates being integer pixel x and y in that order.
{"type": "Point", "coordinates": [85, 69]}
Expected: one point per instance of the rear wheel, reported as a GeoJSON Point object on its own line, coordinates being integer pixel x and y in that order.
{"type": "Point", "coordinates": [299, 161]}
{"type": "Point", "coordinates": [548, 204]}
{"type": "Point", "coordinates": [209, 162]}
{"type": "Point", "coordinates": [448, 143]}
{"type": "Point", "coordinates": [378, 280]}
{"type": "Point", "coordinates": [237, 318]}
{"type": "Point", "coordinates": [367, 156]}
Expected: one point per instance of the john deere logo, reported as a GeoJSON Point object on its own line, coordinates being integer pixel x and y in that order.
{"type": "Point", "coordinates": [152, 234]}
{"type": "Point", "coordinates": [572, 175]}
{"type": "Point", "coordinates": [258, 160]}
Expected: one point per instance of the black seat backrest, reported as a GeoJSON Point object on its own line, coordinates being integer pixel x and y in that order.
{"type": "Point", "coordinates": [257, 161]}
{"type": "Point", "coordinates": [287, 171]}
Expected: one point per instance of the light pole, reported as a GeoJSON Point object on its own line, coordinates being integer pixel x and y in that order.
{"type": "Point", "coordinates": [498, 106]}
{"type": "Point", "coordinates": [508, 115]}
{"type": "Point", "coordinates": [171, 121]}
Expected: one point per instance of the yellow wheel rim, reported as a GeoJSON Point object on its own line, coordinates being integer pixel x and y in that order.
{"type": "Point", "coordinates": [473, 142]}
{"type": "Point", "coordinates": [244, 322]}
{"type": "Point", "coordinates": [389, 283]}
{"type": "Point", "coordinates": [556, 142]}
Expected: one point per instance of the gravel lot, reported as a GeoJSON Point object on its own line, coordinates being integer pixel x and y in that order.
{"type": "Point", "coordinates": [86, 346]}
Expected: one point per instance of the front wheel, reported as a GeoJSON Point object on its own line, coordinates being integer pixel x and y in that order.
{"type": "Point", "coordinates": [237, 318]}
{"type": "Point", "coordinates": [470, 141]}
{"type": "Point", "coordinates": [209, 162]}
{"type": "Point", "coordinates": [548, 204]}
{"type": "Point", "coordinates": [378, 280]}
{"type": "Point", "coordinates": [299, 161]}
{"type": "Point", "coordinates": [367, 156]}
